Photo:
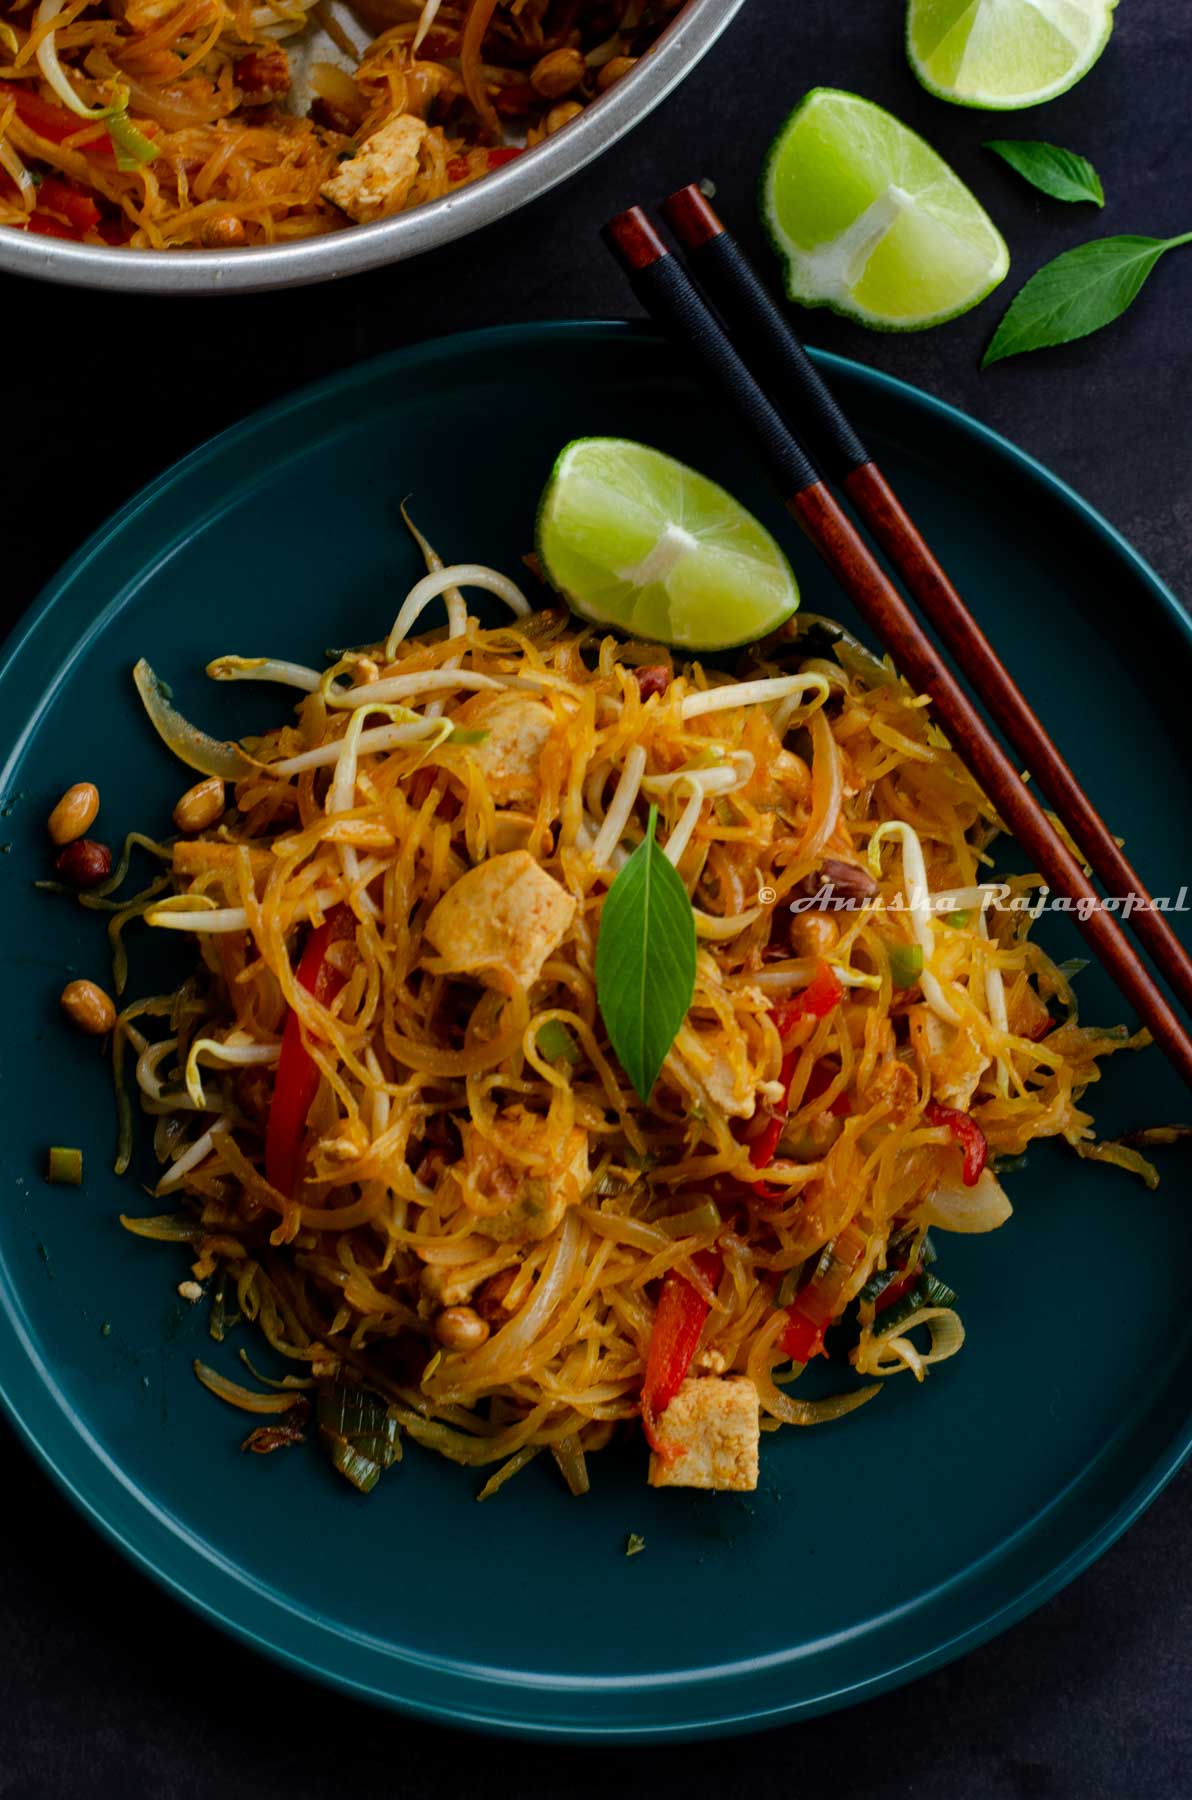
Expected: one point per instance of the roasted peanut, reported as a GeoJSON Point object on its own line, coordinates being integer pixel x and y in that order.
{"type": "Point", "coordinates": [201, 805]}
{"type": "Point", "coordinates": [88, 1007]}
{"type": "Point", "coordinates": [652, 678]}
{"type": "Point", "coordinates": [847, 881]}
{"type": "Point", "coordinates": [74, 813]}
{"type": "Point", "coordinates": [614, 68]}
{"type": "Point", "coordinates": [459, 1328]}
{"type": "Point", "coordinates": [557, 73]}
{"type": "Point", "coordinates": [813, 934]}
{"type": "Point", "coordinates": [224, 233]}
{"type": "Point", "coordinates": [85, 863]}
{"type": "Point", "coordinates": [561, 115]}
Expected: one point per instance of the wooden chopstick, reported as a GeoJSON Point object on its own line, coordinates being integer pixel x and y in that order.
{"type": "Point", "coordinates": [669, 293]}
{"type": "Point", "coordinates": [802, 395]}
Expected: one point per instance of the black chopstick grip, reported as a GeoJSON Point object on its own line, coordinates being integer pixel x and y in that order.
{"type": "Point", "coordinates": [667, 291]}
{"type": "Point", "coordinates": [751, 313]}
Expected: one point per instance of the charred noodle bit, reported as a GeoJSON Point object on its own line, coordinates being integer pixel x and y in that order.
{"type": "Point", "coordinates": [190, 124]}
{"type": "Point", "coordinates": [464, 1223]}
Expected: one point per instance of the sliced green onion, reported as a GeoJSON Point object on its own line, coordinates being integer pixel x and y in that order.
{"type": "Point", "coordinates": [556, 1043]}
{"type": "Point", "coordinates": [929, 1290]}
{"type": "Point", "coordinates": [133, 149]}
{"type": "Point", "coordinates": [197, 749]}
{"type": "Point", "coordinates": [65, 1167]}
{"type": "Point", "coordinates": [789, 1286]}
{"type": "Point", "coordinates": [863, 663]}
{"type": "Point", "coordinates": [960, 918]}
{"type": "Point", "coordinates": [634, 1544]}
{"type": "Point", "coordinates": [697, 1220]}
{"type": "Point", "coordinates": [906, 964]}
{"type": "Point", "coordinates": [360, 1431]}
{"type": "Point", "coordinates": [461, 735]}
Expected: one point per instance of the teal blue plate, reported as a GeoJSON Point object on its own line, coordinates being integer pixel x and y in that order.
{"type": "Point", "coordinates": [874, 1548]}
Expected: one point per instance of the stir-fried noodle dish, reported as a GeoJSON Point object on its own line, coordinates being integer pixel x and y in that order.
{"type": "Point", "coordinates": [396, 1132]}
{"type": "Point", "coordinates": [212, 124]}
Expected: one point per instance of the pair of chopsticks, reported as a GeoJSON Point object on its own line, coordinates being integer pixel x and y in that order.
{"type": "Point", "coordinates": [795, 400]}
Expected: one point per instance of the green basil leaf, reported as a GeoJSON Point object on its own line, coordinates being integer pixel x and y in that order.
{"type": "Point", "coordinates": [645, 961]}
{"type": "Point", "coordinates": [1078, 293]}
{"type": "Point", "coordinates": [1060, 173]}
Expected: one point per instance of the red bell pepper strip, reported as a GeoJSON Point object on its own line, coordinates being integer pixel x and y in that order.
{"type": "Point", "coordinates": [459, 168]}
{"type": "Point", "coordinates": [70, 203]}
{"type": "Point", "coordinates": [813, 1309]}
{"type": "Point", "coordinates": [54, 123]}
{"type": "Point", "coordinates": [968, 1135]}
{"type": "Point", "coordinates": [895, 1290]}
{"type": "Point", "coordinates": [297, 1079]}
{"type": "Point", "coordinates": [822, 993]}
{"type": "Point", "coordinates": [816, 1001]}
{"type": "Point", "coordinates": [818, 1082]}
{"type": "Point", "coordinates": [42, 225]}
{"type": "Point", "coordinates": [678, 1322]}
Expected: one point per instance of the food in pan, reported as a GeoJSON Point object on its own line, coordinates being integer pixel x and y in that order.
{"type": "Point", "coordinates": [163, 124]}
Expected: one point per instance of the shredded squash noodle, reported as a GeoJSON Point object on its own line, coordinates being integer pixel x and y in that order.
{"type": "Point", "coordinates": [387, 1110]}
{"type": "Point", "coordinates": [162, 124]}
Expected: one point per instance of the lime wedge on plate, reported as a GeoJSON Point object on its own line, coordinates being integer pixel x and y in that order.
{"type": "Point", "coordinates": [871, 221]}
{"type": "Point", "coordinates": [634, 539]}
{"type": "Point", "coordinates": [1000, 54]}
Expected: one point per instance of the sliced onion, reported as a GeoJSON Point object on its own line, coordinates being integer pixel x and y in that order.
{"type": "Point", "coordinates": [195, 748]}
{"type": "Point", "coordinates": [243, 1397]}
{"type": "Point", "coordinates": [55, 74]}
{"type": "Point", "coordinates": [332, 83]}
{"type": "Point", "coordinates": [982, 1207]}
{"type": "Point", "coordinates": [890, 1352]}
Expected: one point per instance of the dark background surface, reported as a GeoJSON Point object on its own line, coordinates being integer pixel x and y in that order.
{"type": "Point", "coordinates": [108, 1688]}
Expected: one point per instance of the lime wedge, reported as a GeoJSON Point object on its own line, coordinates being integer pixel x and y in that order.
{"type": "Point", "coordinates": [1000, 54]}
{"type": "Point", "coordinates": [634, 539]}
{"type": "Point", "coordinates": [871, 222]}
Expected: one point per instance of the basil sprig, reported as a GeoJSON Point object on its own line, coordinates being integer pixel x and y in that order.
{"type": "Point", "coordinates": [645, 961]}
{"type": "Point", "coordinates": [1060, 173]}
{"type": "Point", "coordinates": [1078, 293]}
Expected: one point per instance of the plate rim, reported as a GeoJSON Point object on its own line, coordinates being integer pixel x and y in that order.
{"type": "Point", "coordinates": [89, 1498]}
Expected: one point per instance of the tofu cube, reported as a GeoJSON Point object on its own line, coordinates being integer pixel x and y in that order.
{"type": "Point", "coordinates": [714, 1429]}
{"type": "Point", "coordinates": [506, 915]}
{"type": "Point", "coordinates": [510, 757]}
{"type": "Point", "coordinates": [376, 181]}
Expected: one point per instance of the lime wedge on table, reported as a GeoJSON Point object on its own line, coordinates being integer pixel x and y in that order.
{"type": "Point", "coordinates": [871, 221]}
{"type": "Point", "coordinates": [634, 539]}
{"type": "Point", "coordinates": [1000, 54]}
